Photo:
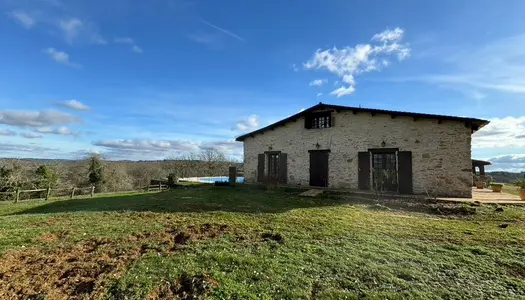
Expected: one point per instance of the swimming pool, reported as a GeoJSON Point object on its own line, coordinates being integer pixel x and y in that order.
{"type": "Point", "coordinates": [211, 179]}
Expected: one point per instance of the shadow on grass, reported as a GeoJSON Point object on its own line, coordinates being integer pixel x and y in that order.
{"type": "Point", "coordinates": [240, 199]}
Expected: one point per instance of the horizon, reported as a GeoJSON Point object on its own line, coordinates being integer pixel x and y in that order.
{"type": "Point", "coordinates": [148, 81]}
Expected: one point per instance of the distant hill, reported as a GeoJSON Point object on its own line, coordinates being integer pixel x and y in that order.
{"type": "Point", "coordinates": [506, 177]}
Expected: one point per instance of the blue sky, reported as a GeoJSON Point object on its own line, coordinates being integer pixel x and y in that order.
{"type": "Point", "coordinates": [157, 79]}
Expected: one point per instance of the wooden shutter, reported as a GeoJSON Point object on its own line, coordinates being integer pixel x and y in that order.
{"type": "Point", "coordinates": [405, 172]}
{"type": "Point", "coordinates": [363, 170]}
{"type": "Point", "coordinates": [283, 168]}
{"type": "Point", "coordinates": [260, 168]}
{"type": "Point", "coordinates": [332, 121]}
{"type": "Point", "coordinates": [308, 122]}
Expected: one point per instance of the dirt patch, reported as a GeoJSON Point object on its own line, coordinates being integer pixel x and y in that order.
{"type": "Point", "coordinates": [79, 271]}
{"type": "Point", "coordinates": [65, 273]}
{"type": "Point", "coordinates": [179, 236]}
{"type": "Point", "coordinates": [276, 237]}
{"type": "Point", "coordinates": [187, 287]}
{"type": "Point", "coordinates": [426, 206]}
{"type": "Point", "coordinates": [516, 270]}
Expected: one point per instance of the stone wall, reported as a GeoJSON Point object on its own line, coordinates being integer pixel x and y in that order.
{"type": "Point", "coordinates": [441, 153]}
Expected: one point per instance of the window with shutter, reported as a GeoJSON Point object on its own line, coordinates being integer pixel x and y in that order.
{"type": "Point", "coordinates": [318, 120]}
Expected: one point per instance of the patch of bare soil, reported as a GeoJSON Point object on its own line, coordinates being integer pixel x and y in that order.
{"type": "Point", "coordinates": [427, 206]}
{"type": "Point", "coordinates": [276, 237]}
{"type": "Point", "coordinates": [79, 271]}
{"type": "Point", "coordinates": [186, 287]}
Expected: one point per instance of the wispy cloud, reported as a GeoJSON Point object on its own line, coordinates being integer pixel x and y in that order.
{"type": "Point", "coordinates": [124, 40]}
{"type": "Point", "coordinates": [349, 62]}
{"type": "Point", "coordinates": [57, 131]}
{"type": "Point", "coordinates": [129, 41]}
{"type": "Point", "coordinates": [23, 18]}
{"type": "Point", "coordinates": [136, 49]}
{"type": "Point", "coordinates": [501, 133]}
{"type": "Point", "coordinates": [509, 163]}
{"type": "Point", "coordinates": [76, 30]}
{"type": "Point", "coordinates": [71, 28]}
{"type": "Point", "coordinates": [160, 149]}
{"type": "Point", "coordinates": [7, 132]}
{"type": "Point", "coordinates": [318, 82]}
{"type": "Point", "coordinates": [249, 124]}
{"type": "Point", "coordinates": [227, 32]}
{"type": "Point", "coordinates": [74, 105]}
{"type": "Point", "coordinates": [61, 57]}
{"type": "Point", "coordinates": [474, 70]}
{"type": "Point", "coordinates": [30, 135]}
{"type": "Point", "coordinates": [37, 119]}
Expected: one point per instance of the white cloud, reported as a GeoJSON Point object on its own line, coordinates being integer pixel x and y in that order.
{"type": "Point", "coordinates": [60, 57]}
{"type": "Point", "coordinates": [343, 91]}
{"type": "Point", "coordinates": [136, 49]}
{"type": "Point", "coordinates": [389, 35]}
{"type": "Point", "coordinates": [23, 19]}
{"type": "Point", "coordinates": [37, 119]}
{"type": "Point", "coordinates": [71, 28]}
{"type": "Point", "coordinates": [509, 163]}
{"type": "Point", "coordinates": [76, 30]}
{"type": "Point", "coordinates": [74, 105]}
{"type": "Point", "coordinates": [30, 135]}
{"type": "Point", "coordinates": [349, 62]}
{"type": "Point", "coordinates": [160, 149]}
{"type": "Point", "coordinates": [319, 95]}
{"type": "Point", "coordinates": [7, 132]}
{"type": "Point", "coordinates": [15, 149]}
{"type": "Point", "coordinates": [57, 131]}
{"type": "Point", "coordinates": [507, 132]}
{"type": "Point", "coordinates": [318, 82]}
{"type": "Point", "coordinates": [249, 124]}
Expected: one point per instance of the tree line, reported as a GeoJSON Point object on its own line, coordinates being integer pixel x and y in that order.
{"type": "Point", "coordinates": [108, 176]}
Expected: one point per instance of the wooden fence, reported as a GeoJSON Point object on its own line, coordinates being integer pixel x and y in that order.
{"type": "Point", "coordinates": [72, 191]}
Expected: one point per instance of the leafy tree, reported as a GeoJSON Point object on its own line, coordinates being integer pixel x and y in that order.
{"type": "Point", "coordinates": [96, 172]}
{"type": "Point", "coordinates": [46, 177]}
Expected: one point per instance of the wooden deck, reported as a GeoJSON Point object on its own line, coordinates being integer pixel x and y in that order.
{"type": "Point", "coordinates": [487, 196]}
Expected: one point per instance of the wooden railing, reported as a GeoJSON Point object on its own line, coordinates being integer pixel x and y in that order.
{"type": "Point", "coordinates": [72, 191]}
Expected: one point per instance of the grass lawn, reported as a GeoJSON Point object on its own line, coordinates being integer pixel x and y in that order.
{"type": "Point", "coordinates": [248, 243]}
{"type": "Point", "coordinates": [511, 189]}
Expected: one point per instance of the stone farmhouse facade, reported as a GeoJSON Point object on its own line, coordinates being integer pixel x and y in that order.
{"type": "Point", "coordinates": [357, 148]}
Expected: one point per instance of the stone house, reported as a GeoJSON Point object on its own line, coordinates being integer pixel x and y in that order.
{"type": "Point", "coordinates": [360, 148]}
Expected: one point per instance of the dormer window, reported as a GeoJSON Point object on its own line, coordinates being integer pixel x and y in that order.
{"type": "Point", "coordinates": [319, 120]}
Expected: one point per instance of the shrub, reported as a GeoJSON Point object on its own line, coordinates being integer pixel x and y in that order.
{"type": "Point", "coordinates": [520, 184]}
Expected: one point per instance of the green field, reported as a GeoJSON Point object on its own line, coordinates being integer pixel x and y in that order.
{"type": "Point", "coordinates": [243, 243]}
{"type": "Point", "coordinates": [511, 189]}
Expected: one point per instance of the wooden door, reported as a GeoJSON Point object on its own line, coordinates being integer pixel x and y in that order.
{"type": "Point", "coordinates": [319, 168]}
{"type": "Point", "coordinates": [384, 171]}
{"type": "Point", "coordinates": [363, 166]}
{"type": "Point", "coordinates": [405, 172]}
{"type": "Point", "coordinates": [273, 167]}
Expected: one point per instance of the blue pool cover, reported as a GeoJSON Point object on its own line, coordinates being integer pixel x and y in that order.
{"type": "Point", "coordinates": [220, 179]}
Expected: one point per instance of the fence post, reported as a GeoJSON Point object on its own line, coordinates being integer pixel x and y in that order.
{"type": "Point", "coordinates": [17, 194]}
{"type": "Point", "coordinates": [160, 186]}
{"type": "Point", "coordinates": [232, 178]}
{"type": "Point", "coordinates": [92, 191]}
{"type": "Point", "coordinates": [73, 192]}
{"type": "Point", "coordinates": [48, 192]}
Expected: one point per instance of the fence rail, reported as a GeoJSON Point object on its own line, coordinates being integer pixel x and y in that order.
{"type": "Point", "coordinates": [74, 190]}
